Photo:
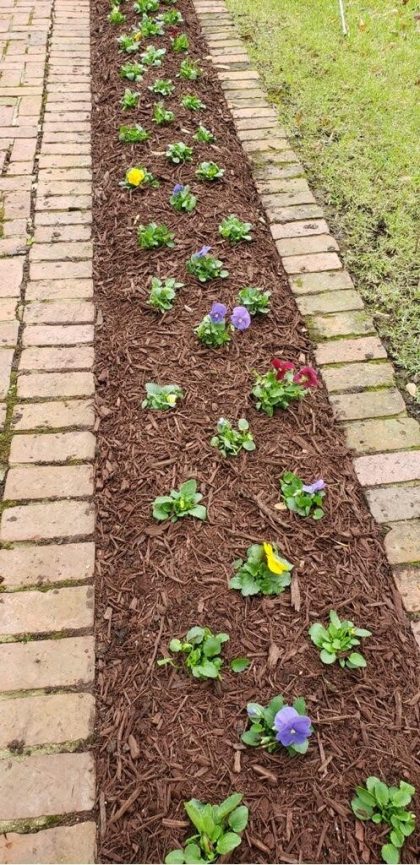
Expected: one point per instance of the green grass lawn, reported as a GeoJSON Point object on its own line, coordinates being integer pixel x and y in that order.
{"type": "Point", "coordinates": [349, 106]}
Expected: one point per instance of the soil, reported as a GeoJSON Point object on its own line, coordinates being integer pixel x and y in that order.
{"type": "Point", "coordinates": [161, 736]}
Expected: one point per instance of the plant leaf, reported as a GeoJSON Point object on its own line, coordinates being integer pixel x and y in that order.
{"type": "Point", "coordinates": [356, 660]}
{"type": "Point", "coordinates": [175, 857]}
{"type": "Point", "coordinates": [228, 805]}
{"type": "Point", "coordinates": [237, 665]}
{"type": "Point", "coordinates": [238, 819]}
{"type": "Point", "coordinates": [228, 842]}
{"type": "Point", "coordinates": [390, 854]}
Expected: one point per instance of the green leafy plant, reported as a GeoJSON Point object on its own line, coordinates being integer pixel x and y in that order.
{"type": "Point", "coordinates": [231, 228]}
{"type": "Point", "coordinates": [179, 152]}
{"type": "Point", "coordinates": [128, 44]}
{"type": "Point", "coordinates": [133, 134]}
{"type": "Point", "coordinates": [213, 334]}
{"type": "Point", "coordinates": [180, 503]}
{"type": "Point", "coordinates": [129, 100]}
{"type": "Point", "coordinates": [143, 7]}
{"type": "Point", "coordinates": [172, 17]}
{"type": "Point", "coordinates": [238, 665]}
{"type": "Point", "coordinates": [153, 56]}
{"type": "Point", "coordinates": [209, 171]}
{"type": "Point", "coordinates": [152, 236]}
{"type": "Point", "coordinates": [255, 299]}
{"type": "Point", "coordinates": [132, 71]}
{"type": "Point", "coordinates": [189, 70]}
{"type": "Point", "coordinates": [162, 86]}
{"type": "Point", "coordinates": [303, 499]}
{"type": "Point", "coordinates": [161, 397]}
{"type": "Point", "coordinates": [193, 103]}
{"type": "Point", "coordinates": [230, 441]}
{"type": "Point", "coordinates": [271, 393]}
{"type": "Point", "coordinates": [201, 649]}
{"type": "Point", "coordinates": [182, 198]}
{"type": "Point", "coordinates": [218, 830]}
{"type": "Point", "coordinates": [162, 115]}
{"type": "Point", "coordinates": [180, 43]}
{"type": "Point", "coordinates": [205, 267]}
{"type": "Point", "coordinates": [263, 734]}
{"type": "Point", "coordinates": [203, 135]}
{"type": "Point", "coordinates": [116, 16]}
{"type": "Point", "coordinates": [382, 804]}
{"type": "Point", "coordinates": [263, 572]}
{"type": "Point", "coordinates": [162, 293]}
{"type": "Point", "coordinates": [151, 27]}
{"type": "Point", "coordinates": [336, 642]}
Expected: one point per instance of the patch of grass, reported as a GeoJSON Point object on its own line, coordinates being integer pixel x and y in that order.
{"type": "Point", "coordinates": [349, 105]}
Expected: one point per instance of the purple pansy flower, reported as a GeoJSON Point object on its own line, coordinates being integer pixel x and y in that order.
{"type": "Point", "coordinates": [177, 188]}
{"type": "Point", "coordinates": [240, 318]}
{"type": "Point", "coordinates": [291, 728]}
{"type": "Point", "coordinates": [202, 252]}
{"type": "Point", "coordinates": [315, 487]}
{"type": "Point", "coordinates": [218, 312]}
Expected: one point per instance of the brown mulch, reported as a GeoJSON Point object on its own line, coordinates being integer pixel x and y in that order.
{"type": "Point", "coordinates": [161, 737]}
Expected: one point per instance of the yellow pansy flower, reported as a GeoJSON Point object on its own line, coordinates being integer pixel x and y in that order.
{"type": "Point", "coordinates": [171, 399]}
{"type": "Point", "coordinates": [137, 36]}
{"type": "Point", "coordinates": [273, 562]}
{"type": "Point", "coordinates": [135, 176]}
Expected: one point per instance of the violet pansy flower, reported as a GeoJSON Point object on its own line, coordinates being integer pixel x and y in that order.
{"type": "Point", "coordinates": [240, 318]}
{"type": "Point", "coordinates": [177, 188]}
{"type": "Point", "coordinates": [202, 252]}
{"type": "Point", "coordinates": [217, 313]}
{"type": "Point", "coordinates": [291, 728]}
{"type": "Point", "coordinates": [316, 487]}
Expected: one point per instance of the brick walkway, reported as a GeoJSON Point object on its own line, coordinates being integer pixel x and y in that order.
{"type": "Point", "coordinates": [46, 334]}
{"type": "Point", "coordinates": [46, 355]}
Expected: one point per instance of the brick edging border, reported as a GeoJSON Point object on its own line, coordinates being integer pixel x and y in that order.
{"type": "Point", "coordinates": [357, 373]}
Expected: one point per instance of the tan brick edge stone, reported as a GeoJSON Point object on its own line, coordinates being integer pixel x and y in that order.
{"type": "Point", "coordinates": [47, 663]}
{"type": "Point", "coordinates": [357, 374]}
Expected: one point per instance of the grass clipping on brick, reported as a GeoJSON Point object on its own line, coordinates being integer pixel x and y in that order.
{"type": "Point", "coordinates": [162, 737]}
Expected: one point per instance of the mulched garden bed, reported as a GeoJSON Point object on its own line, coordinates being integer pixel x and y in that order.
{"type": "Point", "coordinates": [162, 737]}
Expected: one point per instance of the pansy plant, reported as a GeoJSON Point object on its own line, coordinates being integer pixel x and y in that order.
{"type": "Point", "coordinates": [219, 829]}
{"type": "Point", "coordinates": [153, 56]}
{"type": "Point", "coordinates": [303, 499]}
{"type": "Point", "coordinates": [180, 43]}
{"type": "Point", "coordinates": [184, 502]}
{"type": "Point", "coordinates": [161, 115]}
{"type": "Point", "coordinates": [128, 44]}
{"type": "Point", "coordinates": [193, 103]}
{"type": "Point", "coordinates": [137, 177]}
{"type": "Point", "coordinates": [209, 171]}
{"type": "Point", "coordinates": [204, 266]}
{"type": "Point", "coordinates": [163, 293]}
{"type": "Point", "coordinates": [172, 17]}
{"type": "Point", "coordinates": [152, 236]}
{"type": "Point", "coordinates": [337, 642]}
{"type": "Point", "coordinates": [129, 100]}
{"type": "Point", "coordinates": [133, 134]}
{"type": "Point", "coordinates": [151, 27]}
{"type": "Point", "coordinates": [161, 397]}
{"type": "Point", "coordinates": [182, 199]}
{"type": "Point", "coordinates": [263, 572]}
{"type": "Point", "coordinates": [179, 152]}
{"type": "Point", "coordinates": [189, 70]}
{"type": "Point", "coordinates": [280, 386]}
{"type": "Point", "coordinates": [132, 71]}
{"type": "Point", "coordinates": [278, 725]}
{"type": "Point", "coordinates": [231, 228]}
{"type": "Point", "coordinates": [256, 300]}
{"type": "Point", "coordinates": [382, 804]}
{"type": "Point", "coordinates": [116, 16]}
{"type": "Point", "coordinates": [143, 7]}
{"type": "Point", "coordinates": [201, 650]}
{"type": "Point", "coordinates": [230, 441]}
{"type": "Point", "coordinates": [162, 87]}
{"type": "Point", "coordinates": [213, 330]}
{"type": "Point", "coordinates": [203, 135]}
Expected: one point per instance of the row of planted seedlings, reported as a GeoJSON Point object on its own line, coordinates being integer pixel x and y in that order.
{"type": "Point", "coordinates": [263, 570]}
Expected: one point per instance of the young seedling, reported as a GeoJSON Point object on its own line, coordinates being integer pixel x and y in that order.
{"type": "Point", "coordinates": [264, 572]}
{"type": "Point", "coordinates": [193, 103]}
{"type": "Point", "coordinates": [209, 171]}
{"type": "Point", "coordinates": [132, 71]}
{"type": "Point", "coordinates": [204, 266]}
{"type": "Point", "coordinates": [336, 642]}
{"type": "Point", "coordinates": [180, 43]}
{"type": "Point", "coordinates": [133, 134]}
{"type": "Point", "coordinates": [151, 27]}
{"type": "Point", "coordinates": [271, 393]}
{"type": "Point", "coordinates": [278, 725]}
{"type": "Point", "coordinates": [382, 804]}
{"type": "Point", "coordinates": [152, 236]}
{"type": "Point", "coordinates": [128, 44]}
{"type": "Point", "coordinates": [234, 230]}
{"type": "Point", "coordinates": [219, 829]}
{"type": "Point", "coordinates": [129, 100]}
{"type": "Point", "coordinates": [163, 293]}
{"type": "Point", "coordinates": [303, 499]}
{"type": "Point", "coordinates": [189, 70]}
{"type": "Point", "coordinates": [137, 177]}
{"type": "Point", "coordinates": [143, 7]}
{"type": "Point", "coordinates": [180, 503]}
{"type": "Point", "coordinates": [153, 56]}
{"type": "Point", "coordinates": [116, 16]}
{"type": "Point", "coordinates": [162, 87]}
{"type": "Point", "coordinates": [171, 18]}
{"type": "Point", "coordinates": [182, 198]}
{"type": "Point", "coordinates": [179, 152]}
{"type": "Point", "coordinates": [230, 441]}
{"type": "Point", "coordinates": [203, 135]}
{"type": "Point", "coordinates": [161, 397]}
{"type": "Point", "coordinates": [256, 300]}
{"type": "Point", "coordinates": [201, 653]}
{"type": "Point", "coordinates": [213, 334]}
{"type": "Point", "coordinates": [161, 115]}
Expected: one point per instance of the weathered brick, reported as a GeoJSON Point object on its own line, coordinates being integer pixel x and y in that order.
{"type": "Point", "coordinates": [275, 203]}
{"type": "Point", "coordinates": [9, 333]}
{"type": "Point", "coordinates": [52, 447]}
{"type": "Point", "coordinates": [61, 233]}
{"type": "Point", "coordinates": [250, 113]}
{"type": "Point", "coordinates": [40, 612]}
{"type": "Point", "coordinates": [6, 360]}
{"type": "Point", "coordinates": [314, 283]}
{"type": "Point", "coordinates": [54, 415]}
{"type": "Point", "coordinates": [329, 301]}
{"type": "Point", "coordinates": [388, 468]}
{"type": "Point", "coordinates": [352, 375]}
{"type": "Point", "coordinates": [356, 406]}
{"type": "Point", "coordinates": [47, 719]}
{"type": "Point", "coordinates": [341, 324]}
{"type": "Point", "coordinates": [45, 482]}
{"type": "Point", "coordinates": [33, 786]}
{"type": "Point", "coordinates": [34, 522]}
{"type": "Point", "coordinates": [407, 581]}
{"type": "Point", "coordinates": [394, 503]}
{"type": "Point", "coordinates": [260, 145]}
{"type": "Point", "coordinates": [262, 134]}
{"type": "Point", "coordinates": [11, 275]}
{"type": "Point", "coordinates": [57, 334]}
{"type": "Point", "coordinates": [58, 218]}
{"type": "Point", "coordinates": [77, 250]}
{"type": "Point", "coordinates": [60, 357]}
{"type": "Point", "coordinates": [391, 434]}
{"type": "Point", "coordinates": [59, 312]}
{"type": "Point", "coordinates": [60, 270]}
{"type": "Point", "coordinates": [59, 289]}
{"type": "Point", "coordinates": [64, 844]}
{"type": "Point", "coordinates": [306, 245]}
{"type": "Point", "coordinates": [318, 262]}
{"type": "Point", "coordinates": [70, 160]}
{"type": "Point", "coordinates": [55, 384]}
{"type": "Point", "coordinates": [37, 565]}
{"type": "Point", "coordinates": [250, 123]}
{"type": "Point", "coordinates": [347, 350]}
{"type": "Point", "coordinates": [299, 228]}
{"type": "Point", "coordinates": [402, 543]}
{"type": "Point", "coordinates": [47, 664]}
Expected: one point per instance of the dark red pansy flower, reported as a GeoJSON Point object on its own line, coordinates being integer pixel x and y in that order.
{"type": "Point", "coordinates": [306, 377]}
{"type": "Point", "coordinates": [282, 366]}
